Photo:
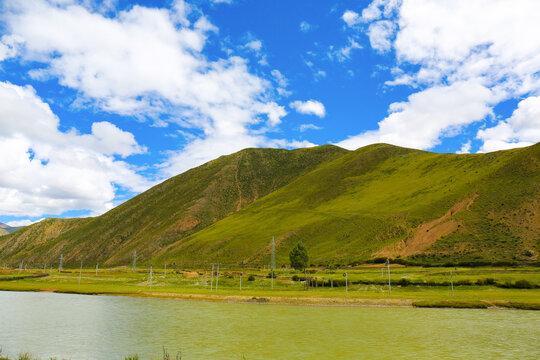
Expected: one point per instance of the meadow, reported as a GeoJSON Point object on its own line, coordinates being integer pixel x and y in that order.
{"type": "Point", "coordinates": [516, 287]}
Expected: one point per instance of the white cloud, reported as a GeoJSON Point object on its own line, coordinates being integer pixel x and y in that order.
{"type": "Point", "coordinates": [351, 18]}
{"type": "Point", "coordinates": [486, 44]}
{"type": "Point", "coordinates": [428, 115]}
{"type": "Point", "coordinates": [465, 148]}
{"type": "Point", "coordinates": [25, 222]}
{"type": "Point", "coordinates": [521, 129]}
{"type": "Point", "coordinates": [282, 83]}
{"type": "Point", "coordinates": [305, 27]}
{"type": "Point", "coordinates": [380, 34]}
{"type": "Point", "coordinates": [305, 127]}
{"type": "Point", "coordinates": [255, 45]}
{"type": "Point", "coordinates": [310, 107]}
{"type": "Point", "coordinates": [344, 53]}
{"type": "Point", "coordinates": [148, 62]}
{"type": "Point", "coordinates": [47, 171]}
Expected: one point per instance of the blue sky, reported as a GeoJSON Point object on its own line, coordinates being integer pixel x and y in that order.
{"type": "Point", "coordinates": [100, 100]}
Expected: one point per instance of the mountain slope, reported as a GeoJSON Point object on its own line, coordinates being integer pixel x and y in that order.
{"type": "Point", "coordinates": [347, 207]}
{"type": "Point", "coordinates": [167, 212]}
{"type": "Point", "coordinates": [485, 207]}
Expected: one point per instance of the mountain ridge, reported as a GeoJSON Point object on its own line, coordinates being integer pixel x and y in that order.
{"type": "Point", "coordinates": [346, 206]}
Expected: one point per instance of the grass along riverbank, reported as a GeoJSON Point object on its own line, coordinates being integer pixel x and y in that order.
{"type": "Point", "coordinates": [367, 286]}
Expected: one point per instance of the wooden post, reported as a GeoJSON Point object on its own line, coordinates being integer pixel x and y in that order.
{"type": "Point", "coordinates": [240, 282]}
{"type": "Point", "coordinates": [346, 284]}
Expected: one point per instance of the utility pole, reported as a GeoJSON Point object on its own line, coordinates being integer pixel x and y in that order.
{"type": "Point", "coordinates": [346, 284]}
{"type": "Point", "coordinates": [80, 274]}
{"type": "Point", "coordinates": [61, 262]}
{"type": "Point", "coordinates": [273, 261]}
{"type": "Point", "coordinates": [97, 267]}
{"type": "Point", "coordinates": [389, 285]}
{"type": "Point", "coordinates": [212, 278]}
{"type": "Point", "coordinates": [134, 260]}
{"type": "Point", "coordinates": [165, 270]}
{"type": "Point", "coordinates": [452, 282]}
{"type": "Point", "coordinates": [240, 282]}
{"type": "Point", "coordinates": [217, 277]}
{"type": "Point", "coordinates": [150, 277]}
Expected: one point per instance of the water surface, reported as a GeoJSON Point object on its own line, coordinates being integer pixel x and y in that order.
{"type": "Point", "coordinates": [103, 327]}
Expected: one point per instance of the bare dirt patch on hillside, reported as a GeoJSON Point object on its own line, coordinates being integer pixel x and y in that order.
{"type": "Point", "coordinates": [427, 233]}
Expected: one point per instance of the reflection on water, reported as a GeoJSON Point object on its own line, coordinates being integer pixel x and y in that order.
{"type": "Point", "coordinates": [102, 327]}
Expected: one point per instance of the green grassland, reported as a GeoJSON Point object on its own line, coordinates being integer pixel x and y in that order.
{"type": "Point", "coordinates": [348, 207]}
{"type": "Point", "coordinates": [367, 285]}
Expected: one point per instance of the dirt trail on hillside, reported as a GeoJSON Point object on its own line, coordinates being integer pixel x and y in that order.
{"type": "Point", "coordinates": [427, 233]}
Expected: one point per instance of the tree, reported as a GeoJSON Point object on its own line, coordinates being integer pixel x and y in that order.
{"type": "Point", "coordinates": [299, 257]}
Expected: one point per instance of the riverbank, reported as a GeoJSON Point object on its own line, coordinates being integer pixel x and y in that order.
{"type": "Point", "coordinates": [316, 301]}
{"type": "Point", "coordinates": [497, 288]}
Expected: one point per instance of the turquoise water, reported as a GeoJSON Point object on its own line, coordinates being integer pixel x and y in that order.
{"type": "Point", "coordinates": [102, 327]}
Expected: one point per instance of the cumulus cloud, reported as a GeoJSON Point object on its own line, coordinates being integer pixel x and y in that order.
{"type": "Point", "coordinates": [520, 129]}
{"type": "Point", "coordinates": [465, 148]}
{"type": "Point", "coordinates": [380, 34]}
{"type": "Point", "coordinates": [351, 18]}
{"type": "Point", "coordinates": [147, 63]}
{"type": "Point", "coordinates": [310, 107]}
{"type": "Point", "coordinates": [47, 171]}
{"type": "Point", "coordinates": [490, 45]}
{"type": "Point", "coordinates": [428, 115]}
{"type": "Point", "coordinates": [255, 45]}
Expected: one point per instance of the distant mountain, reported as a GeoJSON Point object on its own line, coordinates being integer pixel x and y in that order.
{"type": "Point", "coordinates": [346, 206]}
{"type": "Point", "coordinates": [6, 229]}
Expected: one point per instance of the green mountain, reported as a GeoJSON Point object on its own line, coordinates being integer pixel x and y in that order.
{"type": "Point", "coordinates": [179, 207]}
{"type": "Point", "coordinates": [347, 207]}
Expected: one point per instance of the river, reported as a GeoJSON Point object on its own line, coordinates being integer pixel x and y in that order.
{"type": "Point", "coordinates": [75, 327]}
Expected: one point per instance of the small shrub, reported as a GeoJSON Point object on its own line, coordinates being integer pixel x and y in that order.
{"type": "Point", "coordinates": [404, 282]}
{"type": "Point", "coordinates": [458, 304]}
{"type": "Point", "coordinates": [523, 284]}
{"type": "Point", "coordinates": [132, 357]}
{"type": "Point", "coordinates": [251, 278]}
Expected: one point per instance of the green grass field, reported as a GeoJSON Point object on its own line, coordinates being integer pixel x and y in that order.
{"type": "Point", "coordinates": [177, 283]}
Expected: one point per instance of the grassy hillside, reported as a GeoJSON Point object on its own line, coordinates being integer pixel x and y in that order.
{"type": "Point", "coordinates": [383, 200]}
{"type": "Point", "coordinates": [169, 211]}
{"type": "Point", "coordinates": [347, 207]}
